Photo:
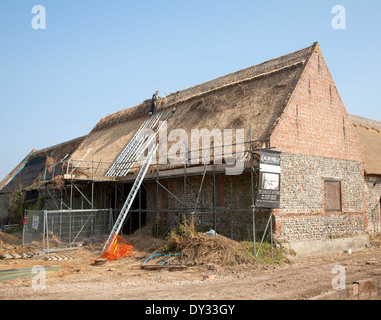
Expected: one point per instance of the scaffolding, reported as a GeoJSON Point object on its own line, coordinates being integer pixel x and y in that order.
{"type": "Point", "coordinates": [82, 180]}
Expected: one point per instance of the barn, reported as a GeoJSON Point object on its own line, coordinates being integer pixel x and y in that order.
{"type": "Point", "coordinates": [213, 142]}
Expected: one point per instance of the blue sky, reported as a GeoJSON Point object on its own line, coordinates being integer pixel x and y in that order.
{"type": "Point", "coordinates": [98, 57]}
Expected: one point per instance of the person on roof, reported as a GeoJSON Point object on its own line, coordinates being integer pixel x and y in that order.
{"type": "Point", "coordinates": [155, 98]}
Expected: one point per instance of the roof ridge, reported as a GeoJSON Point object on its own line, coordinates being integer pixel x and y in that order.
{"type": "Point", "coordinates": [241, 75]}
{"type": "Point", "coordinates": [365, 122]}
{"type": "Point", "coordinates": [239, 82]}
{"type": "Point", "coordinates": [41, 151]}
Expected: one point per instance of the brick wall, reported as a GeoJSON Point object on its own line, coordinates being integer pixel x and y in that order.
{"type": "Point", "coordinates": [318, 142]}
{"type": "Point", "coordinates": [315, 121]}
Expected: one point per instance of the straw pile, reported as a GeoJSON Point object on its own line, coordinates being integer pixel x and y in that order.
{"type": "Point", "coordinates": [200, 249]}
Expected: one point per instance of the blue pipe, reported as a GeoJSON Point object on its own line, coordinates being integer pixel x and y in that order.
{"type": "Point", "coordinates": [162, 255]}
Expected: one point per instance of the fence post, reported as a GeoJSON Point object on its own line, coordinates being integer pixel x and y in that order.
{"type": "Point", "coordinates": [43, 233]}
{"type": "Point", "coordinates": [46, 227]}
{"type": "Point", "coordinates": [23, 229]}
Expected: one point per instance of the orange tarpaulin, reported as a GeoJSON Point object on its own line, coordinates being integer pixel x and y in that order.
{"type": "Point", "coordinates": [117, 248]}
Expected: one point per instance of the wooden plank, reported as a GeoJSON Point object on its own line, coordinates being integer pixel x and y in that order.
{"type": "Point", "coordinates": [220, 168]}
{"type": "Point", "coordinates": [172, 267]}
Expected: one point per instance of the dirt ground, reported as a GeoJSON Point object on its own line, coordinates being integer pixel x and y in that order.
{"type": "Point", "coordinates": [79, 279]}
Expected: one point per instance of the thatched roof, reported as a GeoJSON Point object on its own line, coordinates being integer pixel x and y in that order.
{"type": "Point", "coordinates": [19, 167]}
{"type": "Point", "coordinates": [369, 133]}
{"type": "Point", "coordinates": [251, 98]}
{"type": "Point", "coordinates": [28, 171]}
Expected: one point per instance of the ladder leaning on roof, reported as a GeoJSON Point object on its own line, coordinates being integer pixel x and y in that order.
{"type": "Point", "coordinates": [130, 199]}
{"type": "Point", "coordinates": [138, 144]}
{"type": "Point", "coordinates": [132, 145]}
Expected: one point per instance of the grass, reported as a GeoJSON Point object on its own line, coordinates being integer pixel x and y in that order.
{"type": "Point", "coordinates": [266, 254]}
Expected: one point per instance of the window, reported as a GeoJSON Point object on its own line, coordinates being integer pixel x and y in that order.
{"type": "Point", "coordinates": [333, 195]}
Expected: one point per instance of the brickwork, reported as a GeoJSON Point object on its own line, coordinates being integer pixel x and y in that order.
{"type": "Point", "coordinates": [315, 121]}
{"type": "Point", "coordinates": [318, 142]}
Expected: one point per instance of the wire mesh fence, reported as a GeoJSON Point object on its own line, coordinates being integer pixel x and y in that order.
{"type": "Point", "coordinates": [61, 229]}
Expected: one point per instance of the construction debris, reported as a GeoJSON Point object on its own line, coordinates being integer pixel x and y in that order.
{"type": "Point", "coordinates": [58, 258]}
{"type": "Point", "coordinates": [206, 277]}
{"type": "Point", "coordinates": [211, 232]}
{"type": "Point", "coordinates": [172, 267]}
{"type": "Point", "coordinates": [99, 261]}
{"type": "Point", "coordinates": [17, 255]}
{"type": "Point", "coordinates": [163, 264]}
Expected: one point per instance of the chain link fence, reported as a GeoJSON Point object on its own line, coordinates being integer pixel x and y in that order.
{"type": "Point", "coordinates": [62, 229]}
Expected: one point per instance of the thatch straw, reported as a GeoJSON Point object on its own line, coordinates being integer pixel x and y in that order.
{"type": "Point", "coordinates": [48, 163]}
{"type": "Point", "coordinates": [200, 249]}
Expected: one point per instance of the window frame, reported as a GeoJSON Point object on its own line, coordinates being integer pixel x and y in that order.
{"type": "Point", "coordinates": [339, 182]}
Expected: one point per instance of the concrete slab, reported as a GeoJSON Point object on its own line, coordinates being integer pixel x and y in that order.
{"type": "Point", "coordinates": [318, 247]}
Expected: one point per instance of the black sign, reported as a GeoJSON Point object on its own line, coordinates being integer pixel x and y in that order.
{"type": "Point", "coordinates": [269, 181]}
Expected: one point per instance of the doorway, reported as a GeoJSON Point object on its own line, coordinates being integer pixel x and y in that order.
{"type": "Point", "coordinates": [136, 218]}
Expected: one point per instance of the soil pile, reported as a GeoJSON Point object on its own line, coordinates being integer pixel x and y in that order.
{"type": "Point", "coordinates": [8, 242]}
